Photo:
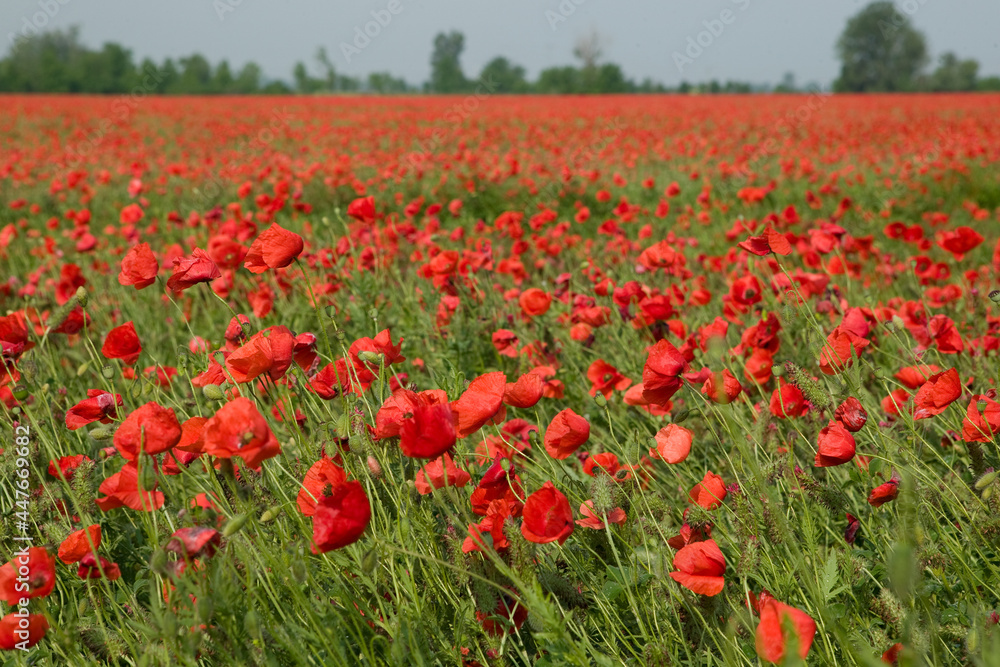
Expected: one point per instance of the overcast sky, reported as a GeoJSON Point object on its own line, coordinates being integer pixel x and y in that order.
{"type": "Point", "coordinates": [759, 41]}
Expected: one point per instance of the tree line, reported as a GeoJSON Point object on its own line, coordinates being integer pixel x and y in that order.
{"type": "Point", "coordinates": [879, 49]}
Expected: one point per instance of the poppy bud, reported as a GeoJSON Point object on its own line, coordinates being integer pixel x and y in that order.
{"type": "Point", "coordinates": [270, 515]}
{"type": "Point", "coordinates": [373, 313]}
{"type": "Point", "coordinates": [985, 480]}
{"type": "Point", "coordinates": [102, 434]}
{"type": "Point", "coordinates": [330, 311]}
{"type": "Point", "coordinates": [777, 370]}
{"type": "Point", "coordinates": [600, 400]}
{"type": "Point", "coordinates": [370, 357]}
{"type": "Point", "coordinates": [82, 368]}
{"type": "Point", "coordinates": [234, 525]}
{"type": "Point", "coordinates": [682, 415]}
{"type": "Point", "coordinates": [212, 392]}
{"type": "Point", "coordinates": [81, 296]}
{"type": "Point", "coordinates": [147, 478]}
{"type": "Point", "coordinates": [108, 371]}
{"type": "Point", "coordinates": [339, 335]}
{"type": "Point", "coordinates": [369, 561]}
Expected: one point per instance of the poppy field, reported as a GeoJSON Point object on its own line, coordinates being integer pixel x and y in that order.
{"type": "Point", "coordinates": [640, 380]}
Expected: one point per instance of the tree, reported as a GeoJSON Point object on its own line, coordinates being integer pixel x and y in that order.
{"type": "Point", "coordinates": [446, 70]}
{"type": "Point", "coordinates": [559, 81]}
{"type": "Point", "coordinates": [248, 80]}
{"type": "Point", "coordinates": [505, 76]}
{"type": "Point", "coordinates": [953, 74]}
{"type": "Point", "coordinates": [880, 51]}
{"type": "Point", "coordinates": [196, 75]}
{"type": "Point", "coordinates": [222, 81]}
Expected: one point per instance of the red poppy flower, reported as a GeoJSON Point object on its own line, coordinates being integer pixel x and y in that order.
{"type": "Point", "coordinates": [275, 248]}
{"type": "Point", "coordinates": [89, 568]}
{"type": "Point", "coordinates": [914, 376]}
{"type": "Point", "coordinates": [122, 343]}
{"type": "Point", "coordinates": [79, 544]}
{"type": "Point", "coordinates": [139, 267]}
{"type": "Point", "coordinates": [269, 351]}
{"type": "Point", "coordinates": [689, 535]}
{"type": "Point", "coordinates": [591, 519]}
{"type": "Point", "coordinates": [853, 525]}
{"type": "Point", "coordinates": [20, 632]}
{"type": "Point", "coordinates": [547, 516]}
{"type": "Point", "coordinates": [771, 638]}
{"type": "Point", "coordinates": [341, 517]}
{"type": "Point", "coordinates": [898, 399]}
{"type": "Point", "coordinates": [673, 444]}
{"type": "Point", "coordinates": [534, 302]}
{"type": "Point", "coordinates": [122, 490]}
{"type": "Point", "coordinates": [150, 429]}
{"type": "Point", "coordinates": [439, 473]}
{"type": "Point", "coordinates": [606, 379]}
{"type": "Point", "coordinates": [605, 461]}
{"type": "Point", "coordinates": [499, 482]}
{"type": "Point", "coordinates": [526, 392]}
{"type": "Point", "coordinates": [427, 430]}
{"type": "Point", "coordinates": [362, 209]}
{"type": "Point", "coordinates": [238, 429]}
{"type": "Point", "coordinates": [492, 524]}
{"type": "Point", "coordinates": [322, 476]}
{"type": "Point", "coordinates": [982, 420]}
{"type": "Point", "coordinates": [479, 404]}
{"type": "Point", "coordinates": [722, 387]}
{"type": "Point", "coordinates": [193, 435]}
{"type": "Point", "coordinates": [13, 337]}
{"type": "Point", "coordinates": [885, 493]}
{"type": "Point", "coordinates": [194, 542]}
{"type": "Point", "coordinates": [891, 654]}
{"type": "Point", "coordinates": [835, 445]}
{"type": "Point", "coordinates": [389, 419]}
{"type": "Point", "coordinates": [769, 241]}
{"type": "Point", "coordinates": [709, 492]}
{"type": "Point", "coordinates": [787, 401]}
{"type": "Point", "coordinates": [67, 465]}
{"type": "Point", "coordinates": [851, 414]}
{"type": "Point", "coordinates": [942, 331]}
{"type": "Point", "coordinates": [959, 241]}
{"type": "Point", "coordinates": [37, 583]}
{"type": "Point", "coordinates": [505, 342]}
{"type": "Point", "coordinates": [661, 373]}
{"type": "Point", "coordinates": [699, 568]}
{"type": "Point", "coordinates": [565, 434]}
{"type": "Point", "coordinates": [842, 345]}
{"type": "Point", "coordinates": [508, 616]}
{"type": "Point", "coordinates": [940, 391]}
{"type": "Point", "coordinates": [101, 406]}
{"type": "Point", "coordinates": [188, 271]}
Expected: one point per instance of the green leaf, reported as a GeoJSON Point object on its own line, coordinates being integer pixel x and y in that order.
{"type": "Point", "coordinates": [828, 578]}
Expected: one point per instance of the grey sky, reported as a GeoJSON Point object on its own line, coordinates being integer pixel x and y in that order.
{"type": "Point", "coordinates": [760, 41]}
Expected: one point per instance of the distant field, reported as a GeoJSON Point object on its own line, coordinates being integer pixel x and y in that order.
{"type": "Point", "coordinates": [494, 380]}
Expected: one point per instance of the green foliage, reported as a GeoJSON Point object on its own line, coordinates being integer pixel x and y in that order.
{"type": "Point", "coordinates": [880, 51]}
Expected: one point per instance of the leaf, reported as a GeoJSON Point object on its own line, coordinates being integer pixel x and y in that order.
{"type": "Point", "coordinates": [829, 577]}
